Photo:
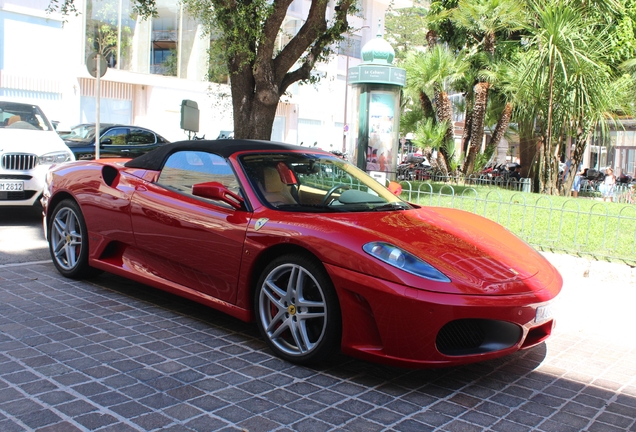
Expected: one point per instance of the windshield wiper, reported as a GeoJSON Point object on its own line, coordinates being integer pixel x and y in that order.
{"type": "Point", "coordinates": [391, 207]}
{"type": "Point", "coordinates": [309, 207]}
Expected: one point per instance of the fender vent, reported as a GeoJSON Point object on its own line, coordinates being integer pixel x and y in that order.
{"type": "Point", "coordinates": [109, 174]}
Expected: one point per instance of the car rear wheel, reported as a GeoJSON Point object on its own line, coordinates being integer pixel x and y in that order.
{"type": "Point", "coordinates": [68, 241]}
{"type": "Point", "coordinates": [297, 310]}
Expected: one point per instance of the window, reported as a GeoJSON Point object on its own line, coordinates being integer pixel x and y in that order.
{"type": "Point", "coordinates": [117, 136]}
{"type": "Point", "coordinates": [141, 137]}
{"type": "Point", "coordinates": [184, 169]}
{"type": "Point", "coordinates": [22, 116]}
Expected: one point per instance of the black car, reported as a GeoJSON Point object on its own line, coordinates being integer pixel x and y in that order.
{"type": "Point", "coordinates": [116, 141]}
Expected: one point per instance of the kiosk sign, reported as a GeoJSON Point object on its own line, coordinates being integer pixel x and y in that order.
{"type": "Point", "coordinates": [377, 74]}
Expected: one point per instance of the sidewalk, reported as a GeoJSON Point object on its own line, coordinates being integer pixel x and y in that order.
{"type": "Point", "coordinates": [598, 298]}
{"type": "Point", "coordinates": [110, 355]}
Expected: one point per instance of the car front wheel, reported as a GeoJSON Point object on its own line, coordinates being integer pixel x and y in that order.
{"type": "Point", "coordinates": [68, 241]}
{"type": "Point", "coordinates": [297, 310]}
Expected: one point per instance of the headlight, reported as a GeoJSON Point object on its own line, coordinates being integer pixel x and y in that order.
{"type": "Point", "coordinates": [54, 158]}
{"type": "Point", "coordinates": [403, 260]}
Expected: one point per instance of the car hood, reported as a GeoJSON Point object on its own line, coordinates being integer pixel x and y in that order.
{"type": "Point", "coordinates": [30, 141]}
{"type": "Point", "coordinates": [477, 254]}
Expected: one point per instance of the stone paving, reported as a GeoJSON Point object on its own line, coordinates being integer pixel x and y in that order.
{"type": "Point", "coordinates": [113, 355]}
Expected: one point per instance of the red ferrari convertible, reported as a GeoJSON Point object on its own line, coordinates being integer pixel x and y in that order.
{"type": "Point", "coordinates": [318, 253]}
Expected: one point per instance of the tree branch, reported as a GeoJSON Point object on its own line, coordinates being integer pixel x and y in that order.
{"type": "Point", "coordinates": [271, 27]}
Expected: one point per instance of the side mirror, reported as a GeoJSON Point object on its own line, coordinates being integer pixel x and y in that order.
{"type": "Point", "coordinates": [106, 141]}
{"type": "Point", "coordinates": [395, 188]}
{"type": "Point", "coordinates": [216, 191]}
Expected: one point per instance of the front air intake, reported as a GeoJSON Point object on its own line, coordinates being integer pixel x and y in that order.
{"type": "Point", "coordinates": [476, 336]}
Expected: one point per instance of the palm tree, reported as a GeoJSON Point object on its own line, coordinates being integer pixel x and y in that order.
{"type": "Point", "coordinates": [484, 20]}
{"type": "Point", "coordinates": [566, 82]}
{"type": "Point", "coordinates": [435, 71]}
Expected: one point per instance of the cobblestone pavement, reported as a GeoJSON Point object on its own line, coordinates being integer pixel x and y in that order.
{"type": "Point", "coordinates": [113, 355]}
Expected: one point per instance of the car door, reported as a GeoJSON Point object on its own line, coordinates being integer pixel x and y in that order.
{"type": "Point", "coordinates": [114, 143]}
{"type": "Point", "coordinates": [192, 241]}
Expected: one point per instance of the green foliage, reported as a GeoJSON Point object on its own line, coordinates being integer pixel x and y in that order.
{"type": "Point", "coordinates": [486, 21]}
{"type": "Point", "coordinates": [218, 71]}
{"type": "Point", "coordinates": [65, 7]}
{"type": "Point", "coordinates": [481, 159]}
{"type": "Point", "coordinates": [405, 29]}
{"type": "Point", "coordinates": [237, 25]}
{"type": "Point", "coordinates": [410, 118]}
{"type": "Point", "coordinates": [441, 23]}
{"type": "Point", "coordinates": [429, 133]}
{"type": "Point", "coordinates": [439, 66]}
{"type": "Point", "coordinates": [172, 63]}
{"type": "Point", "coordinates": [102, 33]}
{"type": "Point", "coordinates": [451, 147]}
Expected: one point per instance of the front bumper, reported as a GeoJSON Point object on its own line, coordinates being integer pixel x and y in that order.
{"type": "Point", "coordinates": [398, 325]}
{"type": "Point", "coordinates": [33, 186]}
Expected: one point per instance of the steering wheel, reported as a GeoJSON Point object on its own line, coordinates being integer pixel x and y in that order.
{"type": "Point", "coordinates": [331, 191]}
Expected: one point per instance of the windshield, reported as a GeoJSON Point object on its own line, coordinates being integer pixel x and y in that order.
{"type": "Point", "coordinates": [81, 132]}
{"type": "Point", "coordinates": [316, 183]}
{"type": "Point", "coordinates": [23, 116]}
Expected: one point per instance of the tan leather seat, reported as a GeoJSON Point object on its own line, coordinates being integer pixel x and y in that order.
{"type": "Point", "coordinates": [273, 188]}
{"type": "Point", "coordinates": [13, 119]}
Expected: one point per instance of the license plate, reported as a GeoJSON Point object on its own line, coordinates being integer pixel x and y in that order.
{"type": "Point", "coordinates": [11, 186]}
{"type": "Point", "coordinates": [544, 313]}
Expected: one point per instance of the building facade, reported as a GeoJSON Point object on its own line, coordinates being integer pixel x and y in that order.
{"type": "Point", "coordinates": [154, 64]}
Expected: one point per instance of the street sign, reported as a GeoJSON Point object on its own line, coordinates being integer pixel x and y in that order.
{"type": "Point", "coordinates": [91, 65]}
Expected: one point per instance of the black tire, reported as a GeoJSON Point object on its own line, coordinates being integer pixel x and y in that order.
{"type": "Point", "coordinates": [289, 315]}
{"type": "Point", "coordinates": [68, 241]}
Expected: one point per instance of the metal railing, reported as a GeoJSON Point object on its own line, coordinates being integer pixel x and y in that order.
{"type": "Point", "coordinates": [602, 230]}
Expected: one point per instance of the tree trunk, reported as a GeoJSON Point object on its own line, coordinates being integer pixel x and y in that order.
{"type": "Point", "coordinates": [431, 39]}
{"type": "Point", "coordinates": [445, 115]}
{"type": "Point", "coordinates": [527, 150]}
{"type": "Point", "coordinates": [500, 129]}
{"type": "Point", "coordinates": [468, 122]}
{"type": "Point", "coordinates": [547, 176]}
{"type": "Point", "coordinates": [260, 73]}
{"type": "Point", "coordinates": [577, 157]}
{"type": "Point", "coordinates": [427, 105]}
{"type": "Point", "coordinates": [253, 117]}
{"type": "Point", "coordinates": [477, 126]}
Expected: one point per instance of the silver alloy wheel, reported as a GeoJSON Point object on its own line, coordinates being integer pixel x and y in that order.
{"type": "Point", "coordinates": [292, 309]}
{"type": "Point", "coordinates": [66, 238]}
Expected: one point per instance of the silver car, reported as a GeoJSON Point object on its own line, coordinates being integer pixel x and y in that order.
{"type": "Point", "coordinates": [29, 146]}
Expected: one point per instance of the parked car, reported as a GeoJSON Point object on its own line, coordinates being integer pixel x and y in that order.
{"type": "Point", "coordinates": [116, 141]}
{"type": "Point", "coordinates": [320, 254]}
{"type": "Point", "coordinates": [28, 147]}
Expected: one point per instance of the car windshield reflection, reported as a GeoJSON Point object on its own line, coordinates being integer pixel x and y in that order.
{"type": "Point", "coordinates": [82, 132]}
{"type": "Point", "coordinates": [314, 183]}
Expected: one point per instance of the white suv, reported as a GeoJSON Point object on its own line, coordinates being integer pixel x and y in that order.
{"type": "Point", "coordinates": [28, 147]}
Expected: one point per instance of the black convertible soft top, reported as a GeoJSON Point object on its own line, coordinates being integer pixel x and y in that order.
{"type": "Point", "coordinates": [154, 160]}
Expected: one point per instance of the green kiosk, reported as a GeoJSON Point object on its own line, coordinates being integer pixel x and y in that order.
{"type": "Point", "coordinates": [375, 86]}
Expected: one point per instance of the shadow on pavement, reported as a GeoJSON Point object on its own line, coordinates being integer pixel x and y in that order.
{"type": "Point", "coordinates": [20, 216]}
{"type": "Point", "coordinates": [26, 243]}
{"type": "Point", "coordinates": [133, 357]}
